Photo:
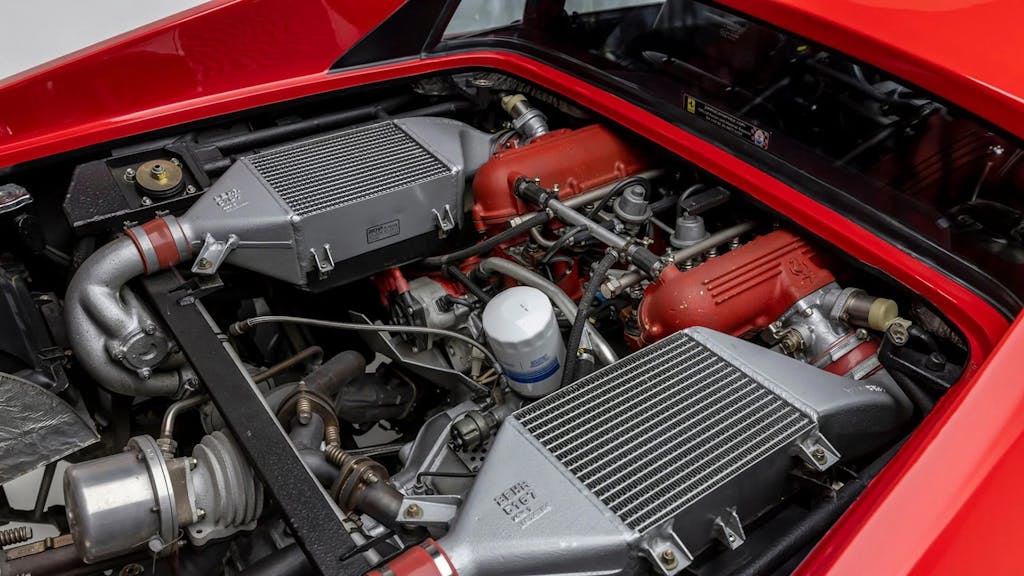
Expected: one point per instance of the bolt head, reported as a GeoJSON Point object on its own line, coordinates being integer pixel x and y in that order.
{"type": "Point", "coordinates": [414, 511]}
{"type": "Point", "coordinates": [200, 513]}
{"type": "Point", "coordinates": [146, 200]}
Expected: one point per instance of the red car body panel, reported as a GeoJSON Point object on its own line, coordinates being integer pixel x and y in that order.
{"type": "Point", "coordinates": [963, 50]}
{"type": "Point", "coordinates": [935, 509]}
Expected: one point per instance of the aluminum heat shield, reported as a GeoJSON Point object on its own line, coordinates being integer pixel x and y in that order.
{"type": "Point", "coordinates": [341, 205]}
{"type": "Point", "coordinates": [36, 428]}
{"type": "Point", "coordinates": [679, 444]}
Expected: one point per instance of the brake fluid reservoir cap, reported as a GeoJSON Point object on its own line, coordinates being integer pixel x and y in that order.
{"type": "Point", "coordinates": [523, 334]}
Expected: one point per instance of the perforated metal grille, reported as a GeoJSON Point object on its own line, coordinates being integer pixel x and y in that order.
{"type": "Point", "coordinates": [324, 173]}
{"type": "Point", "coordinates": [654, 432]}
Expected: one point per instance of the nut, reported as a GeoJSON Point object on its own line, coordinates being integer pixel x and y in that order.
{"type": "Point", "coordinates": [668, 559]}
{"type": "Point", "coordinates": [414, 511]}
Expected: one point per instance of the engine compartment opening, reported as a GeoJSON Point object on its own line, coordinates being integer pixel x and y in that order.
{"type": "Point", "coordinates": [489, 324]}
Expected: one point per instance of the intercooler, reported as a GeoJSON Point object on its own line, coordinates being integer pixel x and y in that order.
{"type": "Point", "coordinates": [340, 206]}
{"type": "Point", "coordinates": [658, 455]}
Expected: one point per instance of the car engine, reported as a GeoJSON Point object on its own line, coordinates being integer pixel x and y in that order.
{"type": "Point", "coordinates": [458, 327]}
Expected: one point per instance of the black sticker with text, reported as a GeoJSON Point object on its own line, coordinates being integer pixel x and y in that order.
{"type": "Point", "coordinates": [737, 126]}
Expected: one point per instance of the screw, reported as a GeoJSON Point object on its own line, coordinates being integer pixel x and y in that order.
{"type": "Point", "coordinates": [192, 463]}
{"type": "Point", "coordinates": [149, 329]}
{"type": "Point", "coordinates": [808, 312]}
{"type": "Point", "coordinates": [146, 373]}
{"type": "Point", "coordinates": [819, 454]}
{"type": "Point", "coordinates": [668, 559]}
{"type": "Point", "coordinates": [862, 334]}
{"type": "Point", "coordinates": [204, 263]}
{"type": "Point", "coordinates": [175, 161]}
{"type": "Point", "coordinates": [414, 511]}
{"type": "Point", "coordinates": [129, 175]}
{"type": "Point", "coordinates": [119, 355]}
{"type": "Point", "coordinates": [146, 200]}
{"type": "Point", "coordinates": [732, 537]}
{"type": "Point", "coordinates": [190, 189]}
{"type": "Point", "coordinates": [15, 535]}
{"type": "Point", "coordinates": [200, 513]}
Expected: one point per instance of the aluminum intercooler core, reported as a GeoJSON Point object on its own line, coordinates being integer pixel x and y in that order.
{"type": "Point", "coordinates": [659, 430]}
{"type": "Point", "coordinates": [315, 176]}
{"type": "Point", "coordinates": [341, 206]}
{"type": "Point", "coordinates": [657, 456]}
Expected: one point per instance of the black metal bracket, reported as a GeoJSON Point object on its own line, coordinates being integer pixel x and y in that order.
{"type": "Point", "coordinates": [315, 522]}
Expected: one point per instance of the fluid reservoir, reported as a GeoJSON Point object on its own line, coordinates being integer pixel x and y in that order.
{"type": "Point", "coordinates": [523, 333]}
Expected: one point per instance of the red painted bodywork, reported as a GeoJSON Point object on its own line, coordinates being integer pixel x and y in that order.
{"type": "Point", "coordinates": [574, 160]}
{"type": "Point", "coordinates": [946, 504]}
{"type": "Point", "coordinates": [738, 293]}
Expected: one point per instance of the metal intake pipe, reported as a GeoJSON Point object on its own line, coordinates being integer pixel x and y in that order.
{"type": "Point", "coordinates": [112, 334]}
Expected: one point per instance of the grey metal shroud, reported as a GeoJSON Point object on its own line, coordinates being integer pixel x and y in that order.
{"type": "Point", "coordinates": [657, 456]}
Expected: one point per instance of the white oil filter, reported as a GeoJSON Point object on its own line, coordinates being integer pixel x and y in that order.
{"type": "Point", "coordinates": [523, 334]}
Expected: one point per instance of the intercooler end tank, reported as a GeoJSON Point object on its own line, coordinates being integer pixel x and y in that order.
{"type": "Point", "coordinates": [523, 333]}
{"type": "Point", "coordinates": [648, 461]}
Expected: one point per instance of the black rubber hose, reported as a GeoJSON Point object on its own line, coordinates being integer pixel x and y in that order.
{"type": "Point", "coordinates": [336, 372]}
{"type": "Point", "coordinates": [288, 561]}
{"type": "Point", "coordinates": [915, 393]}
{"type": "Point", "coordinates": [488, 244]}
{"type": "Point", "coordinates": [632, 180]}
{"type": "Point", "coordinates": [816, 523]}
{"type": "Point", "coordinates": [258, 138]}
{"type": "Point", "coordinates": [557, 244]}
{"type": "Point", "coordinates": [437, 109]}
{"type": "Point", "coordinates": [583, 316]}
{"type": "Point", "coordinates": [456, 274]}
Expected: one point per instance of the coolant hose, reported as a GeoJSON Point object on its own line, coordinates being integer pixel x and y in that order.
{"type": "Point", "coordinates": [917, 395]}
{"type": "Point", "coordinates": [490, 243]}
{"type": "Point", "coordinates": [813, 526]}
{"type": "Point", "coordinates": [583, 316]}
{"type": "Point", "coordinates": [602, 349]}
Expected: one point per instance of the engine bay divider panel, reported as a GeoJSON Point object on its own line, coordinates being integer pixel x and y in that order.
{"type": "Point", "coordinates": [315, 522]}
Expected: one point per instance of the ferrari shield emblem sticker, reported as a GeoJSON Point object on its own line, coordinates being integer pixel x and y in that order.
{"type": "Point", "coordinates": [733, 124]}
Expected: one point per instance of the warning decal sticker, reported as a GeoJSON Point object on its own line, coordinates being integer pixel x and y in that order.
{"type": "Point", "coordinates": [737, 126]}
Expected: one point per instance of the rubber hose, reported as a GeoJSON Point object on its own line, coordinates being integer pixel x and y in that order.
{"type": "Point", "coordinates": [454, 273]}
{"type": "Point", "coordinates": [816, 523]}
{"type": "Point", "coordinates": [488, 244]}
{"type": "Point", "coordinates": [336, 372]}
{"type": "Point", "coordinates": [917, 395]}
{"type": "Point", "coordinates": [583, 316]}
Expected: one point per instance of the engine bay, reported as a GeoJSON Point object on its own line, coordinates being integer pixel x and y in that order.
{"type": "Point", "coordinates": [453, 326]}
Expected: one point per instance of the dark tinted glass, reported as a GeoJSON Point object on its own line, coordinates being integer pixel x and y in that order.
{"type": "Point", "coordinates": [930, 167]}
